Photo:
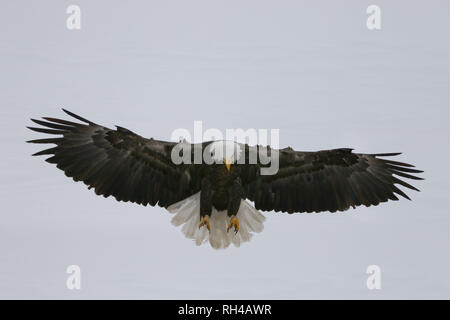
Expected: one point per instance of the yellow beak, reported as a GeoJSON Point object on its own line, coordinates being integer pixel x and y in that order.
{"type": "Point", "coordinates": [228, 165]}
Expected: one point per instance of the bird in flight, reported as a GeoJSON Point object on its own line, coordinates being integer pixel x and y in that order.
{"type": "Point", "coordinates": [211, 200]}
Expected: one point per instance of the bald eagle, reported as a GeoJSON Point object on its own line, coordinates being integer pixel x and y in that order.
{"type": "Point", "coordinates": [210, 201]}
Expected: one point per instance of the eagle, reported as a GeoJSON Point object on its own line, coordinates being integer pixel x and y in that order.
{"type": "Point", "coordinates": [211, 201]}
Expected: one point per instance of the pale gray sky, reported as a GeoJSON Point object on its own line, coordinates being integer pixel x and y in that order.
{"type": "Point", "coordinates": [309, 68]}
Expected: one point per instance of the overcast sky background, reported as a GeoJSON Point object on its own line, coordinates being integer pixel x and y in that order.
{"type": "Point", "coordinates": [310, 68]}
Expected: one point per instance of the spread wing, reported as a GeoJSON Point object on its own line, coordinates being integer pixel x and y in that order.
{"type": "Point", "coordinates": [117, 162]}
{"type": "Point", "coordinates": [329, 180]}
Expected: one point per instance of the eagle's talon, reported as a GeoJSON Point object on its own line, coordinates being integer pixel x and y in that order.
{"type": "Point", "coordinates": [234, 222]}
{"type": "Point", "coordinates": [205, 222]}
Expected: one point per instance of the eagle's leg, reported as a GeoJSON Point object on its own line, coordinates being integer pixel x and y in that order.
{"type": "Point", "coordinates": [205, 204]}
{"type": "Point", "coordinates": [234, 223]}
{"type": "Point", "coordinates": [205, 222]}
{"type": "Point", "coordinates": [236, 193]}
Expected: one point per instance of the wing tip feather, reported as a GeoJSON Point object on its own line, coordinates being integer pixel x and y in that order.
{"type": "Point", "coordinates": [388, 154]}
{"type": "Point", "coordinates": [77, 116]}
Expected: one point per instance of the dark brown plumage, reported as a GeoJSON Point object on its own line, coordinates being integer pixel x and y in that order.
{"type": "Point", "coordinates": [330, 180]}
{"type": "Point", "coordinates": [132, 168]}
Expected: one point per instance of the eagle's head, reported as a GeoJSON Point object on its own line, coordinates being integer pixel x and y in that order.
{"type": "Point", "coordinates": [224, 151]}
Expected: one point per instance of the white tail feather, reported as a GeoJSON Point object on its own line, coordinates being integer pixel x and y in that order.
{"type": "Point", "coordinates": [187, 213]}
